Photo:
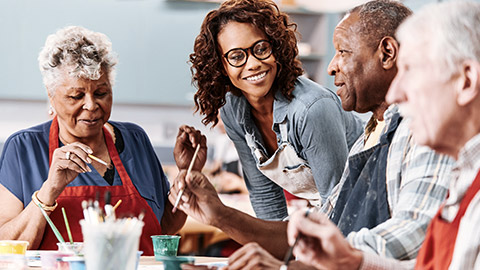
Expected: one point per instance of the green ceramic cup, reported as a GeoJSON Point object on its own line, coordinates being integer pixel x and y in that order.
{"type": "Point", "coordinates": [165, 245]}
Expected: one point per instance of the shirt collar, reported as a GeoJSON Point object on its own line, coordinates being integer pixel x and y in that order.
{"type": "Point", "coordinates": [370, 126]}
{"type": "Point", "coordinates": [372, 122]}
{"type": "Point", "coordinates": [469, 155]}
{"type": "Point", "coordinates": [390, 112]}
{"type": "Point", "coordinates": [280, 107]}
{"type": "Point", "coordinates": [243, 111]}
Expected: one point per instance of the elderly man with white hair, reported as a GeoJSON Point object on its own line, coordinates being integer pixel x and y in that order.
{"type": "Point", "coordinates": [438, 89]}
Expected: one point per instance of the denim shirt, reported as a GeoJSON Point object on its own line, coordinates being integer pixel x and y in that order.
{"type": "Point", "coordinates": [318, 128]}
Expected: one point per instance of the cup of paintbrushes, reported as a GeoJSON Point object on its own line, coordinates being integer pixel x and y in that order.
{"type": "Point", "coordinates": [111, 245]}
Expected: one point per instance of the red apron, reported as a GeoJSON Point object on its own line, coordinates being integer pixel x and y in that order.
{"type": "Point", "coordinates": [437, 250]}
{"type": "Point", "coordinates": [71, 199]}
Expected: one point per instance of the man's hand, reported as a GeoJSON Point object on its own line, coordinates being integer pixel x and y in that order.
{"type": "Point", "coordinates": [187, 140]}
{"type": "Point", "coordinates": [253, 256]}
{"type": "Point", "coordinates": [321, 243]}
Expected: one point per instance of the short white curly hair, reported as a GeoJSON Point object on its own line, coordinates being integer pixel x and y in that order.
{"type": "Point", "coordinates": [449, 29]}
{"type": "Point", "coordinates": [84, 53]}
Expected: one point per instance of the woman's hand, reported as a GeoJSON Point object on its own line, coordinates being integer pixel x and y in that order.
{"type": "Point", "coordinates": [199, 199]}
{"type": "Point", "coordinates": [321, 243]}
{"type": "Point", "coordinates": [67, 162]}
{"type": "Point", "coordinates": [187, 140]}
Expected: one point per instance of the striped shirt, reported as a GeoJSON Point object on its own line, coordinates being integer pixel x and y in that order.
{"type": "Point", "coordinates": [467, 245]}
{"type": "Point", "coordinates": [417, 182]}
{"type": "Point", "coordinates": [466, 254]}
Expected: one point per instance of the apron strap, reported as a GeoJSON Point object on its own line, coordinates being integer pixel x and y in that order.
{"type": "Point", "coordinates": [283, 131]}
{"type": "Point", "coordinates": [257, 152]}
{"type": "Point", "coordinates": [52, 140]}
{"type": "Point", "coordinates": [438, 248]}
{"type": "Point", "coordinates": [112, 150]}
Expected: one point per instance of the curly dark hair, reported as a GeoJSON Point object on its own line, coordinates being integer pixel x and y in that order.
{"type": "Point", "coordinates": [207, 69]}
{"type": "Point", "coordinates": [380, 18]}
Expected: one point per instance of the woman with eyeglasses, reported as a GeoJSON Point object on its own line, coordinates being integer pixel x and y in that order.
{"type": "Point", "coordinates": [290, 133]}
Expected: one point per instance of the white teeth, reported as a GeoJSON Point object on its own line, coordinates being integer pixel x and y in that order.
{"type": "Point", "coordinates": [257, 77]}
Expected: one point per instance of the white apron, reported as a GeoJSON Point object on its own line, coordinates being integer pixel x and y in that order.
{"type": "Point", "coordinates": [287, 169]}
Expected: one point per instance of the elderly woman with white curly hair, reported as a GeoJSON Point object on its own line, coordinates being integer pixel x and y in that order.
{"type": "Point", "coordinates": [51, 165]}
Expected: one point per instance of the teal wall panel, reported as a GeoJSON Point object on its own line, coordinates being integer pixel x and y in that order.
{"type": "Point", "coordinates": [152, 38]}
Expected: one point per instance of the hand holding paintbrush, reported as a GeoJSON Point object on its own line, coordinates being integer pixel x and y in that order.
{"type": "Point", "coordinates": [68, 161]}
{"type": "Point", "coordinates": [289, 254]}
{"type": "Point", "coordinates": [185, 145]}
{"type": "Point", "coordinates": [320, 243]}
{"type": "Point", "coordinates": [109, 166]}
{"type": "Point", "coordinates": [180, 193]}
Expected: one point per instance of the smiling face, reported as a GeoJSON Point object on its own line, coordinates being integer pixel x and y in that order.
{"type": "Point", "coordinates": [256, 77]}
{"type": "Point", "coordinates": [357, 68]}
{"type": "Point", "coordinates": [82, 106]}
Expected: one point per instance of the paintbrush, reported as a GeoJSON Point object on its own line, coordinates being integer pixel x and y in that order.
{"type": "Point", "coordinates": [67, 226]}
{"type": "Point", "coordinates": [54, 228]}
{"type": "Point", "coordinates": [57, 233]}
{"type": "Point", "coordinates": [289, 254]}
{"type": "Point", "coordinates": [109, 212]}
{"type": "Point", "coordinates": [109, 166]}
{"type": "Point", "coordinates": [116, 205]}
{"type": "Point", "coordinates": [180, 193]}
{"type": "Point", "coordinates": [86, 215]}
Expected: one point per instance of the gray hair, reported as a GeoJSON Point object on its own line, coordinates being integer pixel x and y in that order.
{"type": "Point", "coordinates": [450, 30]}
{"type": "Point", "coordinates": [83, 52]}
{"type": "Point", "coordinates": [380, 18]}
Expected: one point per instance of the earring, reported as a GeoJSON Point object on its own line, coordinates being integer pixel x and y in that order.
{"type": "Point", "coordinates": [50, 110]}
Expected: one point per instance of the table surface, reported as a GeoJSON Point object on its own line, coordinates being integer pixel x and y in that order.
{"type": "Point", "coordinates": [149, 262]}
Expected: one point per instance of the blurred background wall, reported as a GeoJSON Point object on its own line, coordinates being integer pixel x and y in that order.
{"type": "Point", "coordinates": [153, 39]}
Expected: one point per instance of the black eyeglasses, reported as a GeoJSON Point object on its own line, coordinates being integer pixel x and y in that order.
{"type": "Point", "coordinates": [237, 57]}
